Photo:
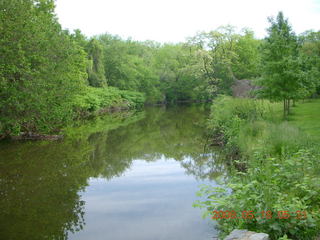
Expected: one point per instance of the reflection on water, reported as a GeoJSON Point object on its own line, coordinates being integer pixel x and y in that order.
{"type": "Point", "coordinates": [152, 201]}
{"type": "Point", "coordinates": [119, 177]}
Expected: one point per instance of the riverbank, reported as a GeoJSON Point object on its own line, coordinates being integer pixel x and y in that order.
{"type": "Point", "coordinates": [89, 103]}
{"type": "Point", "coordinates": [97, 101]}
{"type": "Point", "coordinates": [111, 177]}
{"type": "Point", "coordinates": [274, 176]}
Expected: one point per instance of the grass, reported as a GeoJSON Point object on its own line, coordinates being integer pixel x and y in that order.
{"type": "Point", "coordinates": [306, 116]}
{"type": "Point", "coordinates": [275, 166]}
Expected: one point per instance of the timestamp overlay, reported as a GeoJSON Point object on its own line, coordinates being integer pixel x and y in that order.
{"type": "Point", "coordinates": [248, 214]}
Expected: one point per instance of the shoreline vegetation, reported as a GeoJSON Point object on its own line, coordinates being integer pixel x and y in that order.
{"type": "Point", "coordinates": [92, 103]}
{"type": "Point", "coordinates": [50, 77]}
{"type": "Point", "coordinates": [88, 110]}
{"type": "Point", "coordinates": [271, 144]}
{"type": "Point", "coordinates": [274, 167]}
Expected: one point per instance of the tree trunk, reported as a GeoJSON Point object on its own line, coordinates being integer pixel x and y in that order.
{"type": "Point", "coordinates": [284, 108]}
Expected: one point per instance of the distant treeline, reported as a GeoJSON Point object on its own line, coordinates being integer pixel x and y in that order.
{"type": "Point", "coordinates": [50, 76]}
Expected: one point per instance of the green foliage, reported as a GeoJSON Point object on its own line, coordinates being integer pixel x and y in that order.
{"type": "Point", "coordinates": [44, 70]}
{"type": "Point", "coordinates": [178, 70]}
{"type": "Point", "coordinates": [225, 55]}
{"type": "Point", "coordinates": [231, 119]}
{"type": "Point", "coordinates": [271, 184]}
{"type": "Point", "coordinates": [282, 138]}
{"type": "Point", "coordinates": [96, 74]}
{"type": "Point", "coordinates": [245, 126]}
{"type": "Point", "coordinates": [215, 50]}
{"type": "Point", "coordinates": [196, 70]}
{"type": "Point", "coordinates": [286, 74]}
{"type": "Point", "coordinates": [94, 101]}
{"type": "Point", "coordinates": [306, 117]}
{"type": "Point", "coordinates": [225, 108]}
{"type": "Point", "coordinates": [247, 49]}
{"type": "Point", "coordinates": [165, 73]}
{"type": "Point", "coordinates": [129, 66]}
{"type": "Point", "coordinates": [272, 173]}
{"type": "Point", "coordinates": [310, 57]}
{"type": "Point", "coordinates": [134, 99]}
{"type": "Point", "coordinates": [41, 68]}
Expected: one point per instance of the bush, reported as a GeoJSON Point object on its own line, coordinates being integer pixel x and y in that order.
{"type": "Point", "coordinates": [225, 108]}
{"type": "Point", "coordinates": [94, 100]}
{"type": "Point", "coordinates": [274, 174]}
{"type": "Point", "coordinates": [238, 122]}
{"type": "Point", "coordinates": [247, 125]}
{"type": "Point", "coordinates": [276, 185]}
{"type": "Point", "coordinates": [135, 99]}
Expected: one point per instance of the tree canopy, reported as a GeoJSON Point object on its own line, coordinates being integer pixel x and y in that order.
{"type": "Point", "coordinates": [50, 76]}
{"type": "Point", "coordinates": [285, 73]}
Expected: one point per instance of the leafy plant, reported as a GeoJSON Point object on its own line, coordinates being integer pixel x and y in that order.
{"type": "Point", "coordinates": [94, 100]}
{"type": "Point", "coordinates": [271, 184]}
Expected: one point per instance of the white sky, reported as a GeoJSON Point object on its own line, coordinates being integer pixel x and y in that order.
{"type": "Point", "coordinates": [174, 20]}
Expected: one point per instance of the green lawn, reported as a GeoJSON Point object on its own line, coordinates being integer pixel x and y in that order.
{"type": "Point", "coordinates": [306, 116]}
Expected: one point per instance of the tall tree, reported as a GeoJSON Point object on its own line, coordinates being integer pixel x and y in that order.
{"type": "Point", "coordinates": [246, 63]}
{"type": "Point", "coordinates": [129, 65]}
{"type": "Point", "coordinates": [310, 56]}
{"type": "Point", "coordinates": [282, 73]}
{"type": "Point", "coordinates": [96, 72]}
{"type": "Point", "coordinates": [41, 68]}
{"type": "Point", "coordinates": [218, 56]}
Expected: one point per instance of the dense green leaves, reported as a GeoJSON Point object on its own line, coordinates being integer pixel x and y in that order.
{"type": "Point", "coordinates": [274, 168]}
{"type": "Point", "coordinates": [247, 49]}
{"type": "Point", "coordinates": [272, 186]}
{"type": "Point", "coordinates": [224, 56]}
{"type": "Point", "coordinates": [310, 57]}
{"type": "Point", "coordinates": [96, 74]}
{"type": "Point", "coordinates": [44, 69]}
{"type": "Point", "coordinates": [287, 75]}
{"type": "Point", "coordinates": [41, 68]}
{"type": "Point", "coordinates": [94, 101]}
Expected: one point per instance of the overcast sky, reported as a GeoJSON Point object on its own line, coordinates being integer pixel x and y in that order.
{"type": "Point", "coordinates": [174, 20]}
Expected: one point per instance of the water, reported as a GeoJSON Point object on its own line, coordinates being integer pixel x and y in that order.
{"type": "Point", "coordinates": [117, 177]}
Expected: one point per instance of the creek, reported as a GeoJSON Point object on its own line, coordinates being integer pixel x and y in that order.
{"type": "Point", "coordinates": [125, 176]}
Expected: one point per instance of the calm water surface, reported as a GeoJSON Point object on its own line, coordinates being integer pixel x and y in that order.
{"type": "Point", "coordinates": [116, 178]}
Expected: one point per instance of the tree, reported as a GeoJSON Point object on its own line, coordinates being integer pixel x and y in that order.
{"type": "Point", "coordinates": [246, 64]}
{"type": "Point", "coordinates": [178, 70]}
{"type": "Point", "coordinates": [310, 55]}
{"type": "Point", "coordinates": [281, 68]}
{"type": "Point", "coordinates": [41, 68]}
{"type": "Point", "coordinates": [96, 72]}
{"type": "Point", "coordinates": [223, 55]}
{"type": "Point", "coordinates": [129, 65]}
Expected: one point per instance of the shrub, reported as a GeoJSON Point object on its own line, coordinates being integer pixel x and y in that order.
{"type": "Point", "coordinates": [93, 100]}
{"type": "Point", "coordinates": [238, 122]}
{"type": "Point", "coordinates": [272, 184]}
{"type": "Point", "coordinates": [272, 173]}
{"type": "Point", "coordinates": [248, 125]}
{"type": "Point", "coordinates": [225, 108]}
{"type": "Point", "coordinates": [136, 99]}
